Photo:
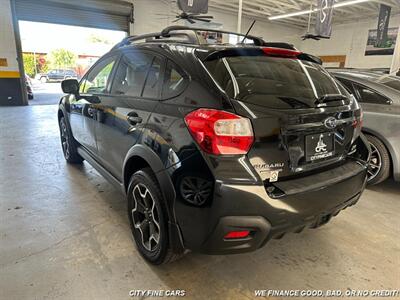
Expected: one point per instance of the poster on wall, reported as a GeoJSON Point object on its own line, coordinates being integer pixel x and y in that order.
{"type": "Point", "coordinates": [386, 47]}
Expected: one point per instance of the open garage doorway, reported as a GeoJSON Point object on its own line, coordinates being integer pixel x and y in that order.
{"type": "Point", "coordinates": [54, 52]}
{"type": "Point", "coordinates": [49, 20]}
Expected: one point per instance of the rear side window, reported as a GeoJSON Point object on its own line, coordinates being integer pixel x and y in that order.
{"type": "Point", "coordinates": [273, 81]}
{"type": "Point", "coordinates": [174, 81]}
{"type": "Point", "coordinates": [131, 74]}
{"type": "Point", "coordinates": [152, 84]}
{"type": "Point", "coordinates": [367, 95]}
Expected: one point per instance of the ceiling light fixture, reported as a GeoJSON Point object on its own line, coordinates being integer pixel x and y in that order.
{"type": "Point", "coordinates": [307, 11]}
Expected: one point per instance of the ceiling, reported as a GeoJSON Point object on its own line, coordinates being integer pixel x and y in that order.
{"type": "Point", "coordinates": [263, 9]}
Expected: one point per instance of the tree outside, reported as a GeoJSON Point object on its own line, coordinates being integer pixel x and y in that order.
{"type": "Point", "coordinates": [43, 66]}
{"type": "Point", "coordinates": [62, 59]}
{"type": "Point", "coordinates": [56, 59]}
{"type": "Point", "coordinates": [31, 61]}
{"type": "Point", "coordinates": [29, 64]}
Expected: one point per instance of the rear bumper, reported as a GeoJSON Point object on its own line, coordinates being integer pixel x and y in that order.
{"type": "Point", "coordinates": [261, 230]}
{"type": "Point", "coordinates": [250, 207]}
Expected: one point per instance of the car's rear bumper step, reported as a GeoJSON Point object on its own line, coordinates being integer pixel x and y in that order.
{"type": "Point", "coordinates": [317, 181]}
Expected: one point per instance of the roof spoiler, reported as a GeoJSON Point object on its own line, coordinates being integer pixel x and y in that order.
{"type": "Point", "coordinates": [310, 57]}
{"type": "Point", "coordinates": [259, 51]}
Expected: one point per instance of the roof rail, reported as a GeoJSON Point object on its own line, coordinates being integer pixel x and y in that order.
{"type": "Point", "coordinates": [182, 31]}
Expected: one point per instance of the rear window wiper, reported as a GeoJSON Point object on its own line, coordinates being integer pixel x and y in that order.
{"type": "Point", "coordinates": [331, 97]}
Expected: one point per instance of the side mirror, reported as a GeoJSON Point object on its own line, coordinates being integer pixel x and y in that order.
{"type": "Point", "coordinates": [70, 86]}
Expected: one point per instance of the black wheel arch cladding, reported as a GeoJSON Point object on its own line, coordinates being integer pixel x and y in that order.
{"type": "Point", "coordinates": [166, 187]}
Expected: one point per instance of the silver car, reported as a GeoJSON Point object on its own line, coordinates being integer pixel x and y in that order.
{"type": "Point", "coordinates": [379, 96]}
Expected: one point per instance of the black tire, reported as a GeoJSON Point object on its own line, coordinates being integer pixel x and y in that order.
{"type": "Point", "coordinates": [68, 143]}
{"type": "Point", "coordinates": [379, 169]}
{"type": "Point", "coordinates": [153, 220]}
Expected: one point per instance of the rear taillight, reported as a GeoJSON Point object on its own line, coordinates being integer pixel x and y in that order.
{"type": "Point", "coordinates": [280, 52]}
{"type": "Point", "coordinates": [219, 132]}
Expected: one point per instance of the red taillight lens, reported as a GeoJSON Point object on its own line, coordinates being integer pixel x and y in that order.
{"type": "Point", "coordinates": [281, 52]}
{"type": "Point", "coordinates": [220, 132]}
{"type": "Point", "coordinates": [237, 234]}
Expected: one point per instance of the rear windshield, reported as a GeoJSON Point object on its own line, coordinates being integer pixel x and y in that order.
{"type": "Point", "coordinates": [272, 81]}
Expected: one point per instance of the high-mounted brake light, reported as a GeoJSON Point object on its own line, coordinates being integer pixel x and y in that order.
{"type": "Point", "coordinates": [237, 234]}
{"type": "Point", "coordinates": [280, 52]}
{"type": "Point", "coordinates": [219, 132]}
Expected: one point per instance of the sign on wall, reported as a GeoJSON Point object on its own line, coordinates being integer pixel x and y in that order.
{"type": "Point", "coordinates": [383, 25]}
{"type": "Point", "coordinates": [323, 23]}
{"type": "Point", "coordinates": [3, 62]}
{"type": "Point", "coordinates": [385, 48]}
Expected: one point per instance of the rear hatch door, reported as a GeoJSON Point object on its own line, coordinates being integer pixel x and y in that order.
{"type": "Point", "coordinates": [302, 118]}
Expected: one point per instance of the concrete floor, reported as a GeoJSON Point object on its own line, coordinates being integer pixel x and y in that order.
{"type": "Point", "coordinates": [64, 234]}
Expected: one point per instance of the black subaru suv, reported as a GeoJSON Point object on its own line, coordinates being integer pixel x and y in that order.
{"type": "Point", "coordinates": [220, 141]}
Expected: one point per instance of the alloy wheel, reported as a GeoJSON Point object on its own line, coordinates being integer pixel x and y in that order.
{"type": "Point", "coordinates": [145, 217]}
{"type": "Point", "coordinates": [375, 164]}
{"type": "Point", "coordinates": [64, 138]}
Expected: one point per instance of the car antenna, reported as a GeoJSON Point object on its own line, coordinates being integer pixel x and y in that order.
{"type": "Point", "coordinates": [248, 31]}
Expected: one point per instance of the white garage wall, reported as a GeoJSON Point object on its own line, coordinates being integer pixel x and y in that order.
{"type": "Point", "coordinates": [150, 15]}
{"type": "Point", "coordinates": [351, 40]}
{"type": "Point", "coordinates": [7, 39]}
{"type": "Point", "coordinates": [347, 39]}
{"type": "Point", "coordinates": [148, 19]}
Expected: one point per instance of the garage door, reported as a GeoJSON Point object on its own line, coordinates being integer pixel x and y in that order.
{"type": "Point", "coordinates": [114, 15]}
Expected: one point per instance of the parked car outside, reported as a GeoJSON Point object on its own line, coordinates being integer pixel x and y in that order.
{"type": "Point", "coordinates": [218, 148]}
{"type": "Point", "coordinates": [29, 88]}
{"type": "Point", "coordinates": [379, 96]}
{"type": "Point", "coordinates": [58, 75]}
